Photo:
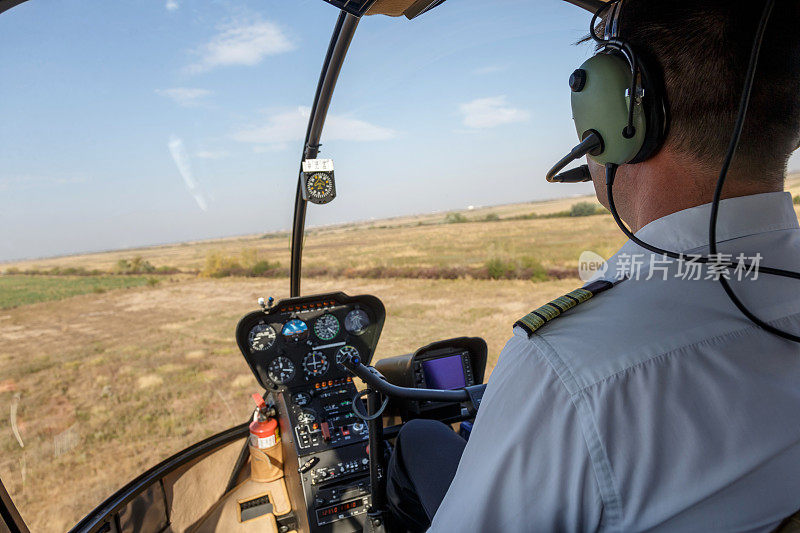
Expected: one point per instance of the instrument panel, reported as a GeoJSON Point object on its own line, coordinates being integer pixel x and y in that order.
{"type": "Point", "coordinates": [302, 341]}
{"type": "Point", "coordinates": [295, 349]}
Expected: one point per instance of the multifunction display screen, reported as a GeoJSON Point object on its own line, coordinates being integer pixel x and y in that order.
{"type": "Point", "coordinates": [445, 372]}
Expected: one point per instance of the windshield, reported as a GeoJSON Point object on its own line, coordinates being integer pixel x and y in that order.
{"type": "Point", "coordinates": [148, 165]}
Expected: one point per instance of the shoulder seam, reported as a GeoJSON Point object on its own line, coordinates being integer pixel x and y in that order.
{"type": "Point", "coordinates": [604, 476]}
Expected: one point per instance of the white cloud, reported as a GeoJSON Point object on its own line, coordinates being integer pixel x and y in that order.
{"type": "Point", "coordinates": [242, 44]}
{"type": "Point", "coordinates": [490, 112]}
{"type": "Point", "coordinates": [289, 126]}
{"type": "Point", "coordinates": [181, 159]}
{"type": "Point", "coordinates": [185, 96]}
{"type": "Point", "coordinates": [172, 5]}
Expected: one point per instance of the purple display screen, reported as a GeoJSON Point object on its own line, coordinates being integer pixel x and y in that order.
{"type": "Point", "coordinates": [444, 372]}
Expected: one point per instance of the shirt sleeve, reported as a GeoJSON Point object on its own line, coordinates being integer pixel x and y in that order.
{"type": "Point", "coordinates": [526, 466]}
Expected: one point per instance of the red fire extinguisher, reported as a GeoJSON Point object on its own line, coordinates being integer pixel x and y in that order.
{"type": "Point", "coordinates": [263, 428]}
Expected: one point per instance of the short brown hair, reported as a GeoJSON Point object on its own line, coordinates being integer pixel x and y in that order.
{"type": "Point", "coordinates": [700, 50]}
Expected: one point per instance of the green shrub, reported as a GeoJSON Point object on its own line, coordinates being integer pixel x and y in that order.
{"type": "Point", "coordinates": [529, 216]}
{"type": "Point", "coordinates": [279, 235]}
{"type": "Point", "coordinates": [220, 266]}
{"type": "Point", "coordinates": [519, 268]}
{"type": "Point", "coordinates": [454, 218]}
{"type": "Point", "coordinates": [247, 264]}
{"type": "Point", "coordinates": [137, 265]}
{"type": "Point", "coordinates": [264, 268]}
{"type": "Point", "coordinates": [498, 269]}
{"type": "Point", "coordinates": [248, 257]}
{"type": "Point", "coordinates": [491, 217]}
{"type": "Point", "coordinates": [12, 271]}
{"type": "Point", "coordinates": [533, 269]}
{"type": "Point", "coordinates": [796, 199]}
{"type": "Point", "coordinates": [583, 209]}
{"type": "Point", "coordinates": [152, 282]}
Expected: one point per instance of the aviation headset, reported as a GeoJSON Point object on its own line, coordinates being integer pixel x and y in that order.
{"type": "Point", "coordinates": [618, 104]}
{"type": "Point", "coordinates": [614, 95]}
{"type": "Point", "coordinates": [621, 116]}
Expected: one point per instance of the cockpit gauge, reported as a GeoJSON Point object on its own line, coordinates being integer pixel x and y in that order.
{"type": "Point", "coordinates": [356, 321]}
{"type": "Point", "coordinates": [295, 330]}
{"type": "Point", "coordinates": [301, 398]}
{"type": "Point", "coordinates": [306, 417]}
{"type": "Point", "coordinates": [315, 363]}
{"type": "Point", "coordinates": [326, 327]}
{"type": "Point", "coordinates": [319, 184]}
{"type": "Point", "coordinates": [281, 370]}
{"type": "Point", "coordinates": [345, 352]}
{"type": "Point", "coordinates": [261, 337]}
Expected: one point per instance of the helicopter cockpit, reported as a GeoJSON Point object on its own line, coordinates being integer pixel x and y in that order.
{"type": "Point", "coordinates": [312, 455]}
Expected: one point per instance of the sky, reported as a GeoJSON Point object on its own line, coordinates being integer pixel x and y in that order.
{"type": "Point", "coordinates": [140, 122]}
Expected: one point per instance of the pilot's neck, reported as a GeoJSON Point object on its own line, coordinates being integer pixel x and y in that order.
{"type": "Point", "coordinates": [668, 183]}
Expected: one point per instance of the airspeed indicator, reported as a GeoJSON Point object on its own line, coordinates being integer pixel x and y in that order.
{"type": "Point", "coordinates": [326, 327]}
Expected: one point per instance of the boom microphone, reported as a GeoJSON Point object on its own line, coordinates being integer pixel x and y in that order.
{"type": "Point", "coordinates": [591, 143]}
{"type": "Point", "coordinates": [575, 175]}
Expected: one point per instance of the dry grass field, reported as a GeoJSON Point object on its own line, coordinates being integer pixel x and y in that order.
{"type": "Point", "coordinates": [102, 379]}
{"type": "Point", "coordinates": [409, 241]}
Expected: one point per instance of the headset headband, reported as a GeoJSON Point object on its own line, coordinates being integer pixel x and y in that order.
{"type": "Point", "coordinates": [611, 30]}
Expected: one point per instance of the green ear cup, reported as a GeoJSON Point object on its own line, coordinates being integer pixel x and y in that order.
{"type": "Point", "coordinates": [599, 103]}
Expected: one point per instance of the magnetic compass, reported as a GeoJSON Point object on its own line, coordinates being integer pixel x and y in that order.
{"type": "Point", "coordinates": [318, 183]}
{"type": "Point", "coordinates": [320, 187]}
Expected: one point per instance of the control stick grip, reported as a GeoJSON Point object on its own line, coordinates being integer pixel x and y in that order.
{"type": "Point", "coordinates": [375, 379]}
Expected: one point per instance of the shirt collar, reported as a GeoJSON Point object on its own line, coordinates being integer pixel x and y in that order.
{"type": "Point", "coordinates": [687, 230]}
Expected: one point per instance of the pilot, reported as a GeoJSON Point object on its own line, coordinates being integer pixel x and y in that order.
{"type": "Point", "coordinates": [654, 404]}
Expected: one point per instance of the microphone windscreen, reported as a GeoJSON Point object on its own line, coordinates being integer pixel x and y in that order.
{"type": "Point", "coordinates": [574, 175]}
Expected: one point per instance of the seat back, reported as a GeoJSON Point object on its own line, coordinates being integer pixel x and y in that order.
{"type": "Point", "coordinates": [790, 525]}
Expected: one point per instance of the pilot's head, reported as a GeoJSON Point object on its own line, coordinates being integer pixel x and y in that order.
{"type": "Point", "coordinates": [698, 51]}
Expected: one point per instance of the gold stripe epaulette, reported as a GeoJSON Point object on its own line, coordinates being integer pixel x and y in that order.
{"type": "Point", "coordinates": [539, 317]}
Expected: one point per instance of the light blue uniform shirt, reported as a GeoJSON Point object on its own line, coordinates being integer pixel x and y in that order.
{"type": "Point", "coordinates": [654, 405]}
